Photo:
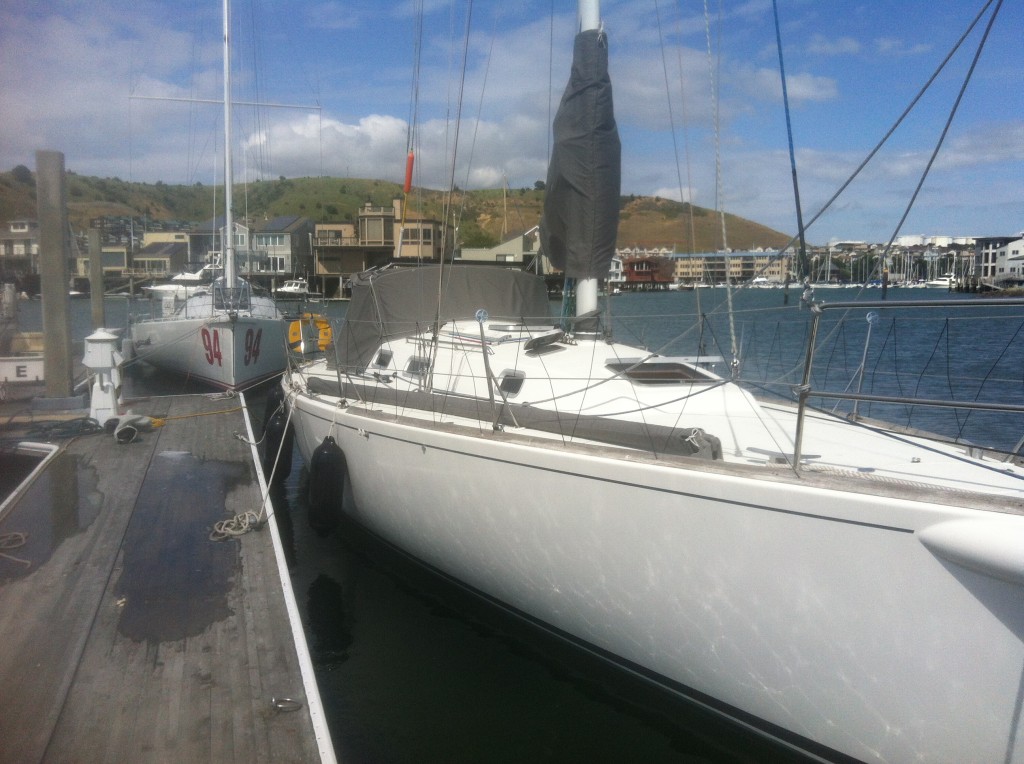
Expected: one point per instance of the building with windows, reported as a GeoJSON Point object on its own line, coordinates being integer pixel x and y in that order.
{"type": "Point", "coordinates": [114, 257]}
{"type": "Point", "coordinates": [271, 250]}
{"type": "Point", "coordinates": [519, 250]}
{"type": "Point", "coordinates": [1000, 259]}
{"type": "Point", "coordinates": [373, 241]}
{"type": "Point", "coordinates": [19, 249]}
{"type": "Point", "coordinates": [718, 267]}
{"type": "Point", "coordinates": [163, 253]}
{"type": "Point", "coordinates": [282, 247]}
{"type": "Point", "coordinates": [205, 242]}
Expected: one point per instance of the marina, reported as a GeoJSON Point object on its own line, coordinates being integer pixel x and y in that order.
{"type": "Point", "coordinates": [386, 635]}
{"type": "Point", "coordinates": [712, 525]}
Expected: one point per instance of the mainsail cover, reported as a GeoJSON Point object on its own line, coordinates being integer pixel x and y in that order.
{"type": "Point", "coordinates": [581, 207]}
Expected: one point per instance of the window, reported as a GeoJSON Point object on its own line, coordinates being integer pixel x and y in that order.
{"type": "Point", "coordinates": [417, 366]}
{"type": "Point", "coordinates": [510, 382]}
{"type": "Point", "coordinates": [270, 240]}
{"type": "Point", "coordinates": [657, 373]}
{"type": "Point", "coordinates": [373, 230]}
{"type": "Point", "coordinates": [383, 359]}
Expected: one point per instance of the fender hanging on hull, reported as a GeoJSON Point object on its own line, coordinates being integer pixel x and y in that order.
{"type": "Point", "coordinates": [279, 437]}
{"type": "Point", "coordinates": [327, 470]}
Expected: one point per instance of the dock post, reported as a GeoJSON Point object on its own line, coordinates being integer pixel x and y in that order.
{"type": "Point", "coordinates": [103, 360]}
{"type": "Point", "coordinates": [52, 211]}
{"type": "Point", "coordinates": [96, 288]}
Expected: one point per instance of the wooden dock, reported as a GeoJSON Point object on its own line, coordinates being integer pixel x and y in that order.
{"type": "Point", "coordinates": [126, 634]}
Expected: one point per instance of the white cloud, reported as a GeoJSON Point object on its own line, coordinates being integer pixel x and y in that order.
{"type": "Point", "coordinates": [819, 44]}
{"type": "Point", "coordinates": [893, 46]}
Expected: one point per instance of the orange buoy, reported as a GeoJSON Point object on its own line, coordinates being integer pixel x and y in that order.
{"type": "Point", "coordinates": [309, 333]}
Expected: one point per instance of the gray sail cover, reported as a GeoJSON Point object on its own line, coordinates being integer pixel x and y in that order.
{"type": "Point", "coordinates": [581, 207]}
{"type": "Point", "coordinates": [388, 305]}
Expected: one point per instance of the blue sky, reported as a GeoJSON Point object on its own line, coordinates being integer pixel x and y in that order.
{"type": "Point", "coordinates": [68, 70]}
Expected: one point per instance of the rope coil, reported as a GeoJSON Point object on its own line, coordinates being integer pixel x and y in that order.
{"type": "Point", "coordinates": [14, 540]}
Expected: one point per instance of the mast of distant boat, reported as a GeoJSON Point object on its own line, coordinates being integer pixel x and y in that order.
{"type": "Point", "coordinates": [230, 275]}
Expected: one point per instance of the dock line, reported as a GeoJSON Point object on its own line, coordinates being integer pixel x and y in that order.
{"type": "Point", "coordinates": [316, 710]}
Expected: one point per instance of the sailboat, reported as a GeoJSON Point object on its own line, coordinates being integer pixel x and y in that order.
{"type": "Point", "coordinates": [851, 591]}
{"type": "Point", "coordinates": [227, 336]}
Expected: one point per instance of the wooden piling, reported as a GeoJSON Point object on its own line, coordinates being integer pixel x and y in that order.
{"type": "Point", "coordinates": [51, 201]}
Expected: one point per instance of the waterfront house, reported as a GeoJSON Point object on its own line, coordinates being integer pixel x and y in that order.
{"type": "Point", "coordinates": [1000, 259]}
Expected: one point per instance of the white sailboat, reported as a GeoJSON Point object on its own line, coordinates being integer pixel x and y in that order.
{"type": "Point", "coordinates": [853, 592]}
{"type": "Point", "coordinates": [227, 336]}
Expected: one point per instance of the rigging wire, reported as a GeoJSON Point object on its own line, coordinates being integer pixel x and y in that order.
{"type": "Point", "coordinates": [885, 138]}
{"type": "Point", "coordinates": [713, 75]}
{"type": "Point", "coordinates": [447, 203]}
{"type": "Point", "coordinates": [889, 133]}
{"type": "Point", "coordinates": [686, 142]}
{"type": "Point", "coordinates": [945, 128]}
{"type": "Point", "coordinates": [476, 125]}
{"type": "Point", "coordinates": [802, 255]}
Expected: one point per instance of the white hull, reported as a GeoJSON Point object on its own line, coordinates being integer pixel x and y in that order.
{"type": "Point", "coordinates": [220, 350]}
{"type": "Point", "coordinates": [869, 604]}
{"type": "Point", "coordinates": [806, 607]}
{"type": "Point", "coordinates": [177, 291]}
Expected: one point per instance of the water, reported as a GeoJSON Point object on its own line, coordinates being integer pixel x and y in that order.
{"type": "Point", "coordinates": [411, 668]}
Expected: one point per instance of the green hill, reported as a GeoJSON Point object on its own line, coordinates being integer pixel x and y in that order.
{"type": "Point", "coordinates": [484, 217]}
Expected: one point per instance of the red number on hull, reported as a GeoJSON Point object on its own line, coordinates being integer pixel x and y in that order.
{"type": "Point", "coordinates": [252, 345]}
{"type": "Point", "coordinates": [211, 344]}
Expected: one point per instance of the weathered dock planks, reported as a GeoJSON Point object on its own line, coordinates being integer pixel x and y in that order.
{"type": "Point", "coordinates": [130, 636]}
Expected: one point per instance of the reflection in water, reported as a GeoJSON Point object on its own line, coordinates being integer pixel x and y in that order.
{"type": "Point", "coordinates": [328, 621]}
{"type": "Point", "coordinates": [175, 580]}
{"type": "Point", "coordinates": [61, 502]}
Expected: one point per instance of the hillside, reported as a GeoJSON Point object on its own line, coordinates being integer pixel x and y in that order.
{"type": "Point", "coordinates": [486, 216]}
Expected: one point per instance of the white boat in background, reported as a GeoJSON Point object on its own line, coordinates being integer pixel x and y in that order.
{"type": "Point", "coordinates": [21, 353]}
{"type": "Point", "coordinates": [185, 285]}
{"type": "Point", "coordinates": [229, 336]}
{"type": "Point", "coordinates": [295, 289]}
{"type": "Point", "coordinates": [850, 590]}
{"type": "Point", "coordinates": [943, 282]}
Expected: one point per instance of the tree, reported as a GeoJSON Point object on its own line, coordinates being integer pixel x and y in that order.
{"type": "Point", "coordinates": [22, 174]}
{"type": "Point", "coordinates": [540, 186]}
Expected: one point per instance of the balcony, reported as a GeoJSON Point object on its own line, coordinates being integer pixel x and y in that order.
{"type": "Point", "coordinates": [335, 241]}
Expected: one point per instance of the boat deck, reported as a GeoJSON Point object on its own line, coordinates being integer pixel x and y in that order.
{"type": "Point", "coordinates": [126, 633]}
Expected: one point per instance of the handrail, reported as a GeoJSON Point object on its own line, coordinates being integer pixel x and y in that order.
{"type": "Point", "coordinates": [804, 391]}
{"type": "Point", "coordinates": [960, 304]}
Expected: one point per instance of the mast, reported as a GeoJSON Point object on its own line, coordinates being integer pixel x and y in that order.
{"type": "Point", "coordinates": [581, 205]}
{"type": "Point", "coordinates": [586, 289]}
{"type": "Point", "coordinates": [230, 276]}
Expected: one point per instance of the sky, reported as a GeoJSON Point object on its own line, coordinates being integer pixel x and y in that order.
{"type": "Point", "coordinates": [354, 84]}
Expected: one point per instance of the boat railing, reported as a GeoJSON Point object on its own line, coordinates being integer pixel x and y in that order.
{"type": "Point", "coordinates": [805, 391]}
